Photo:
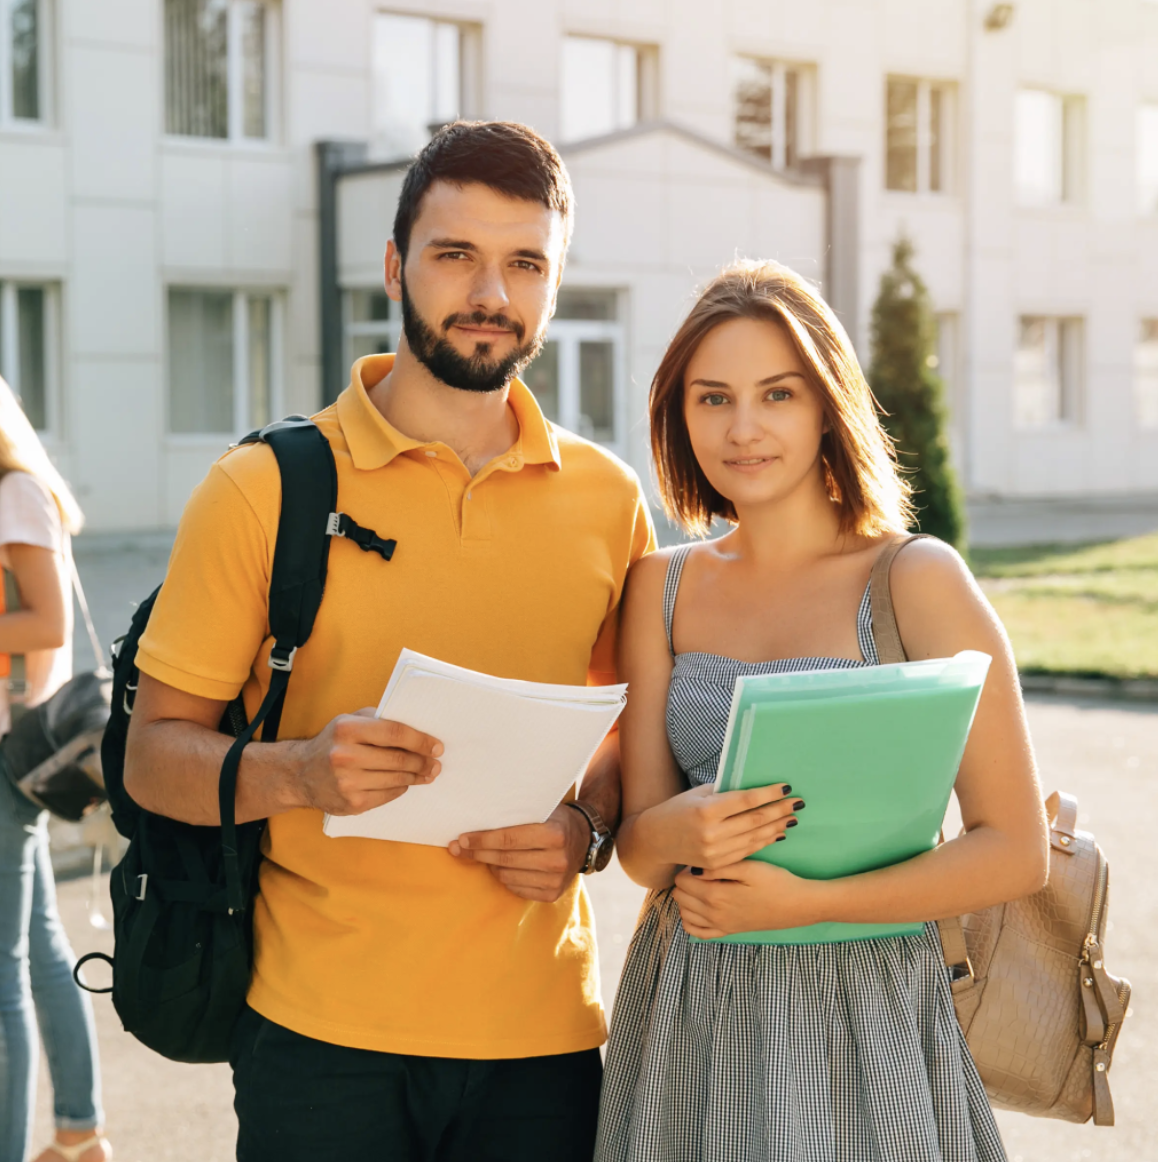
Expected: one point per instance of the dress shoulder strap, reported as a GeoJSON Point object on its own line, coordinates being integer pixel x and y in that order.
{"type": "Point", "coordinates": [884, 625]}
{"type": "Point", "coordinates": [671, 586]}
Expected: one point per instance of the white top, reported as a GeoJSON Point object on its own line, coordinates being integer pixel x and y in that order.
{"type": "Point", "coordinates": [29, 516]}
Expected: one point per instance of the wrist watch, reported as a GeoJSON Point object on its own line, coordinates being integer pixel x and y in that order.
{"type": "Point", "coordinates": [602, 841]}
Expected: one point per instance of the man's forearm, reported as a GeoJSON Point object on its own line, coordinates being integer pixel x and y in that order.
{"type": "Point", "coordinates": [173, 768]}
{"type": "Point", "coordinates": [601, 784]}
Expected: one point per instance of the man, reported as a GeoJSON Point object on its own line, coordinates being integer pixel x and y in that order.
{"type": "Point", "coordinates": [411, 1002]}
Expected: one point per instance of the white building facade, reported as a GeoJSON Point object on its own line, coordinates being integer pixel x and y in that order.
{"type": "Point", "coordinates": [181, 259]}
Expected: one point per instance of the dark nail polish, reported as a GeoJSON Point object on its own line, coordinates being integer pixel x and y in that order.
{"type": "Point", "coordinates": [787, 789]}
{"type": "Point", "coordinates": [780, 837]}
{"type": "Point", "coordinates": [696, 871]}
{"type": "Point", "coordinates": [791, 822]}
{"type": "Point", "coordinates": [798, 805]}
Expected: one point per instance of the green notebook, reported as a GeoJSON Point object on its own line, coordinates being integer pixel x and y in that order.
{"type": "Point", "coordinates": [874, 752]}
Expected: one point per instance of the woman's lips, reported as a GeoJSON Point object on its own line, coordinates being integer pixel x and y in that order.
{"type": "Point", "coordinates": [749, 464]}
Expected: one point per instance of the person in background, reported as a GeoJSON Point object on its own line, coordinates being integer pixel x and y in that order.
{"type": "Point", "coordinates": [838, 1052]}
{"type": "Point", "coordinates": [37, 516]}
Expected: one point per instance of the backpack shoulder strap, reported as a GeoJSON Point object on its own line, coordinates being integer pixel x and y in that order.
{"type": "Point", "coordinates": [885, 632]}
{"type": "Point", "coordinates": [309, 495]}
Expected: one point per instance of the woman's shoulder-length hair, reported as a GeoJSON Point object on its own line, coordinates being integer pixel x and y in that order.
{"type": "Point", "coordinates": [857, 454]}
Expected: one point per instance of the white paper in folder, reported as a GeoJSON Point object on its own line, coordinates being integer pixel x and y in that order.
{"type": "Point", "coordinates": [512, 749]}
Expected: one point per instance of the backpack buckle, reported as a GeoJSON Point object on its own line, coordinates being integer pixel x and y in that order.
{"type": "Point", "coordinates": [282, 659]}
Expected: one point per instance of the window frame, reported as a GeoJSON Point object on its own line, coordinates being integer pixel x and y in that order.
{"type": "Point", "coordinates": [647, 87]}
{"type": "Point", "coordinates": [1146, 211]}
{"type": "Point", "coordinates": [1067, 355]}
{"type": "Point", "coordinates": [1071, 175]}
{"type": "Point", "coordinates": [45, 65]}
{"type": "Point", "coordinates": [469, 71]}
{"type": "Point", "coordinates": [10, 346]}
{"type": "Point", "coordinates": [805, 111]}
{"type": "Point", "coordinates": [239, 322]}
{"type": "Point", "coordinates": [948, 137]}
{"type": "Point", "coordinates": [1147, 423]}
{"type": "Point", "coordinates": [235, 85]}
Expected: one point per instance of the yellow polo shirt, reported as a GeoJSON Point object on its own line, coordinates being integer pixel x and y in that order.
{"type": "Point", "coordinates": [394, 946]}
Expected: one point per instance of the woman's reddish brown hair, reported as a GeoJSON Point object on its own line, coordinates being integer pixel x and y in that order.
{"type": "Point", "coordinates": [857, 455]}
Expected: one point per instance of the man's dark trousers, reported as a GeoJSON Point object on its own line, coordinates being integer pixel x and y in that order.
{"type": "Point", "coordinates": [301, 1100]}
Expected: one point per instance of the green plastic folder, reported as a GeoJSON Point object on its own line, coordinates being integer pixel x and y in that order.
{"type": "Point", "coordinates": [874, 752]}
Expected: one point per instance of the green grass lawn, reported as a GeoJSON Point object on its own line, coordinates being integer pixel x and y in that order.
{"type": "Point", "coordinates": [1077, 609]}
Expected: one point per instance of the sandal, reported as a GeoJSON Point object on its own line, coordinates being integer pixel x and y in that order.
{"type": "Point", "coordinates": [76, 1152]}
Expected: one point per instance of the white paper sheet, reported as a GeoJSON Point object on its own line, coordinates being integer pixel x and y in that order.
{"type": "Point", "coordinates": [512, 749]}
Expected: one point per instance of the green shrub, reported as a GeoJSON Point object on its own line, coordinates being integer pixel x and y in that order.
{"type": "Point", "coordinates": [913, 396]}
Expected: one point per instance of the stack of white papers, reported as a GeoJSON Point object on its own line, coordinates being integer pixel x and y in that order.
{"type": "Point", "coordinates": [512, 750]}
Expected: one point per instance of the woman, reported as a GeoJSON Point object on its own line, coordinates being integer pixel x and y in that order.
{"type": "Point", "coordinates": [841, 1052]}
{"type": "Point", "coordinates": [37, 514]}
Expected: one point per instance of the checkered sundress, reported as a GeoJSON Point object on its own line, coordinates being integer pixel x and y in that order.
{"type": "Point", "coordinates": [845, 1052]}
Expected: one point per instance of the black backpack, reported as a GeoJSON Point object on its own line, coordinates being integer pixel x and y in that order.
{"type": "Point", "coordinates": [182, 894]}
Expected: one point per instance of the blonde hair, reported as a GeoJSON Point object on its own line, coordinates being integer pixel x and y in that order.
{"type": "Point", "coordinates": [22, 451]}
{"type": "Point", "coordinates": [857, 454]}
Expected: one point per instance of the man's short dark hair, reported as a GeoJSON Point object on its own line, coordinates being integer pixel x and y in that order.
{"type": "Point", "coordinates": [506, 156]}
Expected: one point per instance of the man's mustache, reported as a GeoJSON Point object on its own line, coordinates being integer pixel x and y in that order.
{"type": "Point", "coordinates": [482, 319]}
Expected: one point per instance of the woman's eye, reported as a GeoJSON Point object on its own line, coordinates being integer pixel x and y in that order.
{"type": "Point", "coordinates": [779, 394]}
{"type": "Point", "coordinates": [714, 399]}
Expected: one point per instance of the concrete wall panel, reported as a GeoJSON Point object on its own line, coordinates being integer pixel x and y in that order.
{"type": "Point", "coordinates": [115, 300]}
{"type": "Point", "coordinates": [33, 206]}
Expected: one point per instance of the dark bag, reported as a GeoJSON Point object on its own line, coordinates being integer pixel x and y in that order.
{"type": "Point", "coordinates": [51, 754]}
{"type": "Point", "coordinates": [183, 894]}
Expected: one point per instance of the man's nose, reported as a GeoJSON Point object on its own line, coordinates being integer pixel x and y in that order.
{"type": "Point", "coordinates": [488, 291]}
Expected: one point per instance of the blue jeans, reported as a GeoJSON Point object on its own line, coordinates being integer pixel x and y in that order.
{"type": "Point", "coordinates": [36, 970]}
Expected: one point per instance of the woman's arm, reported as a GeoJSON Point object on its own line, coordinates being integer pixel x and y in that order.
{"type": "Point", "coordinates": [41, 623]}
{"type": "Point", "coordinates": [1004, 852]}
{"type": "Point", "coordinates": [664, 826]}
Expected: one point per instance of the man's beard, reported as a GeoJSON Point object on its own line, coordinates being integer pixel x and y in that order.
{"type": "Point", "coordinates": [478, 372]}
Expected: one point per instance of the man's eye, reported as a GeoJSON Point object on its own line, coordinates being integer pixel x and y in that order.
{"type": "Point", "coordinates": [525, 264]}
{"type": "Point", "coordinates": [454, 254]}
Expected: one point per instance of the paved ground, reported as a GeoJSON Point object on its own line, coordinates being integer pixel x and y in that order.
{"type": "Point", "coordinates": [1107, 754]}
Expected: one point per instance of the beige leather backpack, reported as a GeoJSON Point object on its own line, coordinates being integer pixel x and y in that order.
{"type": "Point", "coordinates": [1039, 1010]}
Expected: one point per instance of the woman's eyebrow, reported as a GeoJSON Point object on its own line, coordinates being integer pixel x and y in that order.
{"type": "Point", "coordinates": [777, 378]}
{"type": "Point", "coordinates": [761, 383]}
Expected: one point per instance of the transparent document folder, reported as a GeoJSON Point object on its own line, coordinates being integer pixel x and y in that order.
{"type": "Point", "coordinates": [874, 752]}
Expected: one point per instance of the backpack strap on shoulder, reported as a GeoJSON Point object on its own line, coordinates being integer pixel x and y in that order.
{"type": "Point", "coordinates": [885, 632]}
{"type": "Point", "coordinates": [309, 494]}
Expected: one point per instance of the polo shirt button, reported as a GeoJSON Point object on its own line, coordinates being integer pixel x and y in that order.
{"type": "Point", "coordinates": [469, 495]}
{"type": "Point", "coordinates": [431, 452]}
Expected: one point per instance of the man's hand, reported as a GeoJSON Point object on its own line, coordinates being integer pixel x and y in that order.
{"type": "Point", "coordinates": [359, 762]}
{"type": "Point", "coordinates": [537, 861]}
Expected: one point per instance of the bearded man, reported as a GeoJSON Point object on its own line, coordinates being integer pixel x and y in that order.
{"type": "Point", "coordinates": [412, 1002]}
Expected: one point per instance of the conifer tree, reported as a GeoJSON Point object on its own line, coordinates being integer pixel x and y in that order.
{"type": "Point", "coordinates": [913, 396]}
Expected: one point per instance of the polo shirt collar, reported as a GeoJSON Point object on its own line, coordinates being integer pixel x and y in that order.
{"type": "Point", "coordinates": [374, 442]}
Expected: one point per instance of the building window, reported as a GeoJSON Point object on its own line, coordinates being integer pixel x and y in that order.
{"type": "Point", "coordinates": [773, 109]}
{"type": "Point", "coordinates": [219, 58]}
{"type": "Point", "coordinates": [1146, 374]}
{"type": "Point", "coordinates": [24, 42]}
{"type": "Point", "coordinates": [373, 324]}
{"type": "Point", "coordinates": [606, 85]}
{"type": "Point", "coordinates": [224, 360]}
{"type": "Point", "coordinates": [579, 378]}
{"type": "Point", "coordinates": [424, 76]}
{"type": "Point", "coordinates": [1148, 159]}
{"type": "Point", "coordinates": [919, 123]}
{"type": "Point", "coordinates": [27, 348]}
{"type": "Point", "coordinates": [1047, 372]}
{"type": "Point", "coordinates": [1048, 139]}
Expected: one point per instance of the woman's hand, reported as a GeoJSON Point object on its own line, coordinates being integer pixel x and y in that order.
{"type": "Point", "coordinates": [751, 896]}
{"type": "Point", "coordinates": [705, 829]}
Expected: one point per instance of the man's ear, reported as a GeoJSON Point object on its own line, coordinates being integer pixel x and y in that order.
{"type": "Point", "coordinates": [392, 271]}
